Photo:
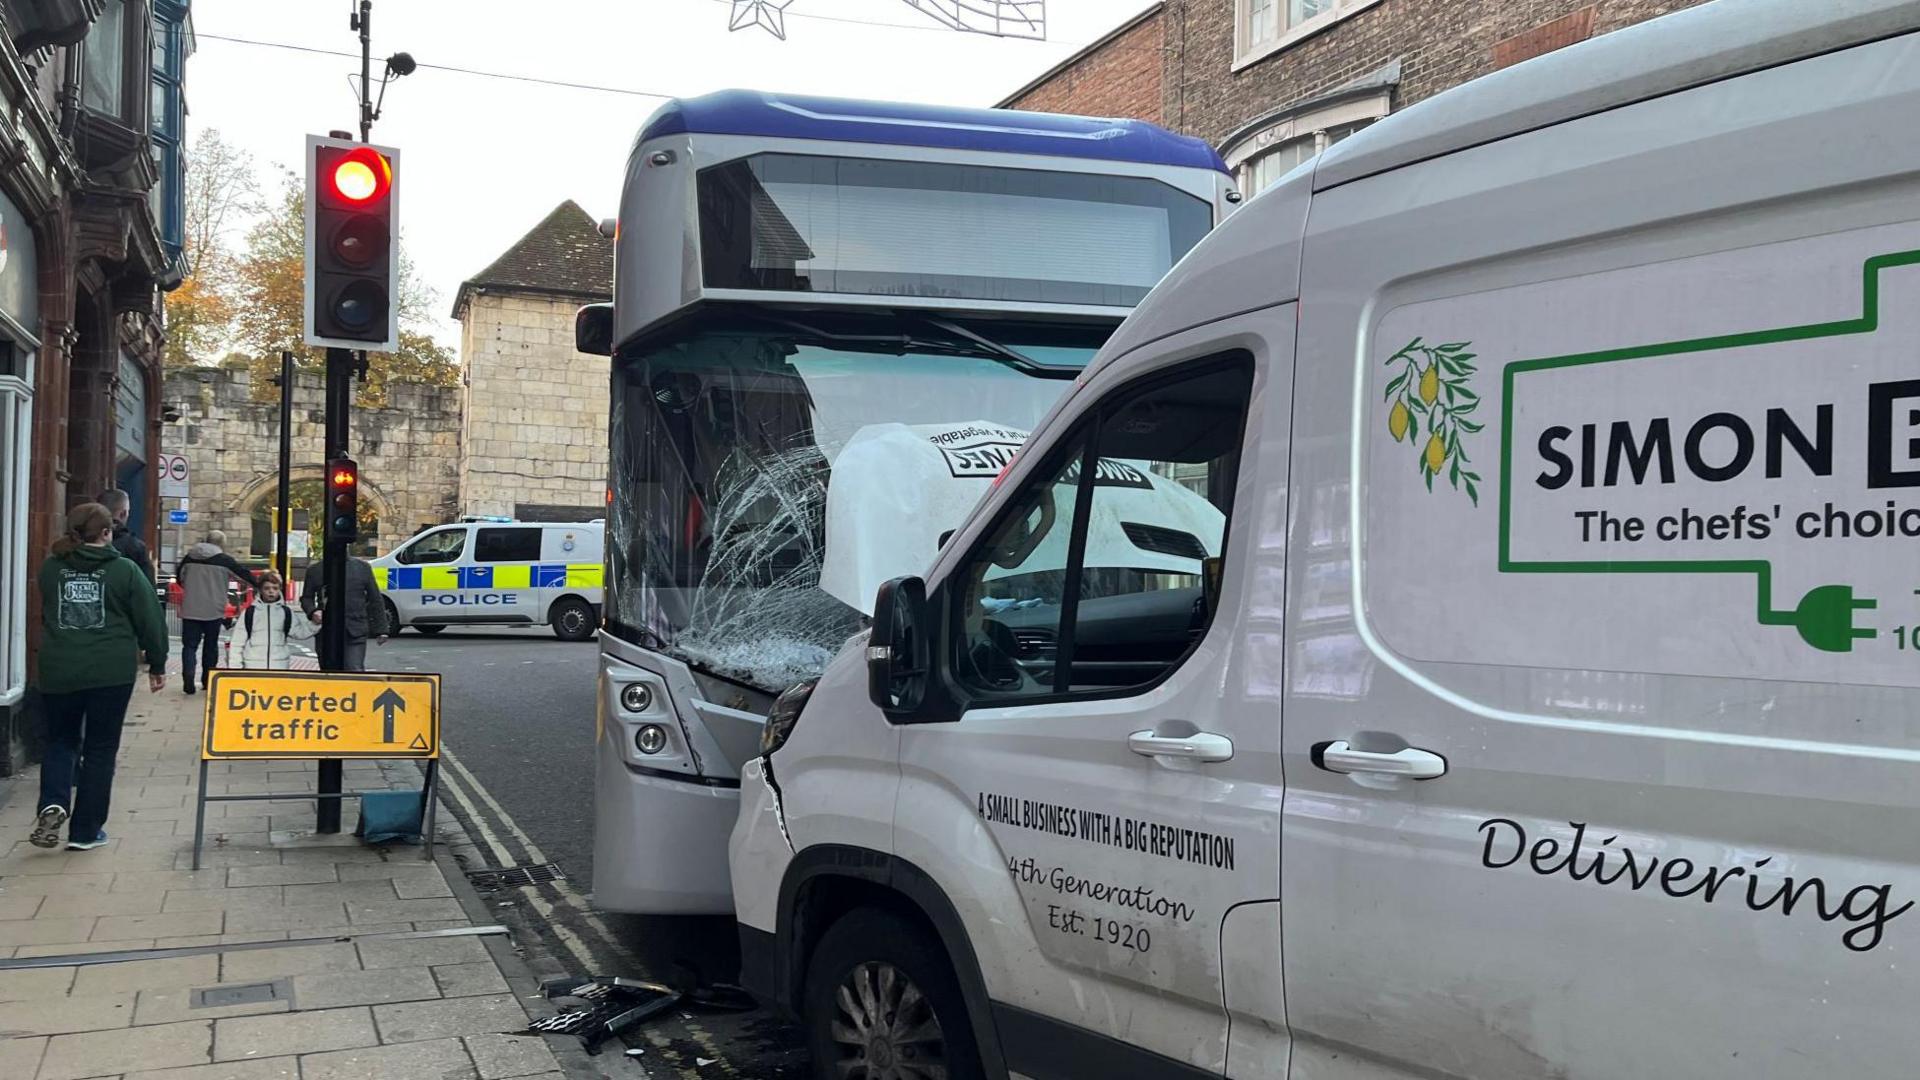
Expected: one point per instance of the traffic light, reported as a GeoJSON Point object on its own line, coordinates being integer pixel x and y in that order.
{"type": "Point", "coordinates": [343, 499]}
{"type": "Point", "coordinates": [353, 245]}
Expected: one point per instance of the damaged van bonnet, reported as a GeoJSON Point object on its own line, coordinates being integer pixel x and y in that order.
{"type": "Point", "coordinates": [1464, 623]}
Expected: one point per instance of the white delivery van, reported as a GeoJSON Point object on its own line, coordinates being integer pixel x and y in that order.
{"type": "Point", "coordinates": [489, 573]}
{"type": "Point", "coordinates": [1545, 698]}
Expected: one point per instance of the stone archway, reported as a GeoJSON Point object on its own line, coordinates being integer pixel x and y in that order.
{"type": "Point", "coordinates": [262, 490]}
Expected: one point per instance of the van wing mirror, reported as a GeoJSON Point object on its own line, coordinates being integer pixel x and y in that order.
{"type": "Point", "coordinates": [898, 654]}
{"type": "Point", "coordinates": [593, 330]}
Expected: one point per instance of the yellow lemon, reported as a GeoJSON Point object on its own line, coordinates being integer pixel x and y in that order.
{"type": "Point", "coordinates": [1430, 383]}
{"type": "Point", "coordinates": [1436, 453]}
{"type": "Point", "coordinates": [1397, 421]}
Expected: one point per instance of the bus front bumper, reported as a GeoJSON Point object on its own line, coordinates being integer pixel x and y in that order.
{"type": "Point", "coordinates": [671, 857]}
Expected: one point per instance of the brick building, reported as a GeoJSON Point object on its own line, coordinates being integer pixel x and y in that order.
{"type": "Point", "coordinates": [535, 445]}
{"type": "Point", "coordinates": [1272, 82]}
{"type": "Point", "coordinates": [1119, 75]}
{"type": "Point", "coordinates": [91, 207]}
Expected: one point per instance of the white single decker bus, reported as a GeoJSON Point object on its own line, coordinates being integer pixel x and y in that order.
{"type": "Point", "coordinates": [834, 322]}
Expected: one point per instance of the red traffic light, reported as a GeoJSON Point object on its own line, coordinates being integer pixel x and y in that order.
{"type": "Point", "coordinates": [362, 176]}
{"type": "Point", "coordinates": [343, 477]}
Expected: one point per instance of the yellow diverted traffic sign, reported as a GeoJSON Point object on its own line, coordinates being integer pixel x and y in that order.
{"type": "Point", "coordinates": [321, 714]}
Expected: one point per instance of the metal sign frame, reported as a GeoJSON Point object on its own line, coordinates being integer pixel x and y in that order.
{"type": "Point", "coordinates": [430, 787]}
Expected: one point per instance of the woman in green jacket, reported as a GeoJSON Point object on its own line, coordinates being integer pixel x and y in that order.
{"type": "Point", "coordinates": [98, 613]}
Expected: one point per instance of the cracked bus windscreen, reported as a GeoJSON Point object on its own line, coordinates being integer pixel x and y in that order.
{"type": "Point", "coordinates": [767, 476]}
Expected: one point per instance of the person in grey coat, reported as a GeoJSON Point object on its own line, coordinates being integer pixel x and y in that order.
{"type": "Point", "coordinates": [203, 576]}
{"type": "Point", "coordinates": [365, 609]}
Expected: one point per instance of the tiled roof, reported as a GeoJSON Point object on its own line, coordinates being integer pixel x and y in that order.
{"type": "Point", "coordinates": [564, 255]}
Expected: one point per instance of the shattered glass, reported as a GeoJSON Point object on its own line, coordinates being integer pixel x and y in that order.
{"type": "Point", "coordinates": [724, 441]}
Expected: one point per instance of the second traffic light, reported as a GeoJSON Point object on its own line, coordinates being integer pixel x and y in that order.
{"type": "Point", "coordinates": [353, 245]}
{"type": "Point", "coordinates": [343, 499]}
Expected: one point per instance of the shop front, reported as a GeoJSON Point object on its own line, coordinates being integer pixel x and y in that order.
{"type": "Point", "coordinates": [19, 310]}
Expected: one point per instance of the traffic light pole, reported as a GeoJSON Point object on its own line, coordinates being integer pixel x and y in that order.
{"type": "Point", "coordinates": [284, 513]}
{"type": "Point", "coordinates": [333, 569]}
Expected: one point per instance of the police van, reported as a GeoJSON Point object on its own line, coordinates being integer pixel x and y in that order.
{"type": "Point", "coordinates": [1542, 697]}
{"type": "Point", "coordinates": [484, 572]}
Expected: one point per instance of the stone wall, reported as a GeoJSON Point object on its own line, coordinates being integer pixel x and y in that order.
{"type": "Point", "coordinates": [408, 453]}
{"type": "Point", "coordinates": [536, 409]}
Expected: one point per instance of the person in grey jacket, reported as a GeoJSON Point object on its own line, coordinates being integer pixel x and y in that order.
{"type": "Point", "coordinates": [365, 609]}
{"type": "Point", "coordinates": [203, 576]}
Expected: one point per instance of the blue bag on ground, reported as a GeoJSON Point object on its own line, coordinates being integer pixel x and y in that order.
{"type": "Point", "coordinates": [386, 816]}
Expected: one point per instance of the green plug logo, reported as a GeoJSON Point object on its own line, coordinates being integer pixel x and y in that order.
{"type": "Point", "coordinates": [1824, 618]}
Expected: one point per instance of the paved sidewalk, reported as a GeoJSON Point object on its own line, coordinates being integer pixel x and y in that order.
{"type": "Point", "coordinates": [345, 1010]}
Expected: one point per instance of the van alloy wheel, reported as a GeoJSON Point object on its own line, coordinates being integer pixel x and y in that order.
{"type": "Point", "coordinates": [885, 1028]}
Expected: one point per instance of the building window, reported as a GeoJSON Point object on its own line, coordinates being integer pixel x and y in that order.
{"type": "Point", "coordinates": [1259, 172]}
{"type": "Point", "coordinates": [1263, 27]}
{"type": "Point", "coordinates": [173, 42]}
{"type": "Point", "coordinates": [103, 71]}
{"type": "Point", "coordinates": [16, 399]}
{"type": "Point", "coordinates": [1266, 150]}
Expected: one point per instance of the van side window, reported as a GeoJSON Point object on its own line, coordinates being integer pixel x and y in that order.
{"type": "Point", "coordinates": [440, 547]}
{"type": "Point", "coordinates": [506, 545]}
{"type": "Point", "coordinates": [1011, 607]}
{"type": "Point", "coordinates": [1104, 577]}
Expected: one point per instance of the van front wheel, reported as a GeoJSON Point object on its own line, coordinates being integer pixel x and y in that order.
{"type": "Point", "coordinates": [572, 619]}
{"type": "Point", "coordinates": [881, 1001]}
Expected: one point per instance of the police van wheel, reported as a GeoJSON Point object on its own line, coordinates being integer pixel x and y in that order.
{"type": "Point", "coordinates": [429, 630]}
{"type": "Point", "coordinates": [572, 619]}
{"type": "Point", "coordinates": [882, 1001]}
{"type": "Point", "coordinates": [393, 616]}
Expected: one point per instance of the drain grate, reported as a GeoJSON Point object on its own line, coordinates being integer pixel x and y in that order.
{"type": "Point", "coordinates": [220, 997]}
{"type": "Point", "coordinates": [510, 876]}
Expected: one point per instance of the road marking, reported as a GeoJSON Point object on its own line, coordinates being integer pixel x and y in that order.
{"type": "Point", "coordinates": [572, 898]}
{"type": "Point", "coordinates": [567, 937]}
{"type": "Point", "coordinates": [567, 893]}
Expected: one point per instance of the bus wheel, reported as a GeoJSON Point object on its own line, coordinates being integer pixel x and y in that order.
{"type": "Point", "coordinates": [881, 1000]}
{"type": "Point", "coordinates": [429, 630]}
{"type": "Point", "coordinates": [572, 619]}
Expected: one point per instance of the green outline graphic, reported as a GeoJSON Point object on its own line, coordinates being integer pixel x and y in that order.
{"type": "Point", "coordinates": [1824, 616]}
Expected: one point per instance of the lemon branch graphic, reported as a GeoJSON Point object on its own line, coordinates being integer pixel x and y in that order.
{"type": "Point", "coordinates": [1431, 390]}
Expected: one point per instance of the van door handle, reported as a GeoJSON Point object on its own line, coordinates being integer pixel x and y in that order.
{"type": "Point", "coordinates": [1410, 762]}
{"type": "Point", "coordinates": [1204, 746]}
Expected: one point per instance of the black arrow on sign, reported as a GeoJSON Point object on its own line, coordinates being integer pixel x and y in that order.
{"type": "Point", "coordinates": [387, 702]}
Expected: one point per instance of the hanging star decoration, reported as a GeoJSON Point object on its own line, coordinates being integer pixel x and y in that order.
{"type": "Point", "coordinates": [768, 15]}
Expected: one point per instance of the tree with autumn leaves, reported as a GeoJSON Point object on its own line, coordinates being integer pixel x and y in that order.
{"type": "Point", "coordinates": [240, 305]}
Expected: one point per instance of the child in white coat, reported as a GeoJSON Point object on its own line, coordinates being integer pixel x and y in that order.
{"type": "Point", "coordinates": [263, 632]}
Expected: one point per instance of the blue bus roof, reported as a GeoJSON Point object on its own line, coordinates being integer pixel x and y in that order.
{"type": "Point", "coordinates": [1004, 131]}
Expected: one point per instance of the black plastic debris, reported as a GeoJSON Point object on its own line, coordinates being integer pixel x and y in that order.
{"type": "Point", "coordinates": [489, 879]}
{"type": "Point", "coordinates": [613, 1006]}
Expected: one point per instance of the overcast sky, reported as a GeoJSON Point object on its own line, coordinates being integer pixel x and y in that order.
{"type": "Point", "coordinates": [484, 159]}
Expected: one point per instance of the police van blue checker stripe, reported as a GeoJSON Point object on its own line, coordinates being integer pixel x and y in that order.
{"type": "Point", "coordinates": [541, 576]}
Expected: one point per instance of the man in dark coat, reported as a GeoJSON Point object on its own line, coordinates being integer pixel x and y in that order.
{"type": "Point", "coordinates": [120, 506]}
{"type": "Point", "coordinates": [365, 609]}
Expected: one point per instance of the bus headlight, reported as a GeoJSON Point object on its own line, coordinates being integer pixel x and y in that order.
{"type": "Point", "coordinates": [636, 697]}
{"type": "Point", "coordinates": [784, 714]}
{"type": "Point", "coordinates": [650, 739]}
